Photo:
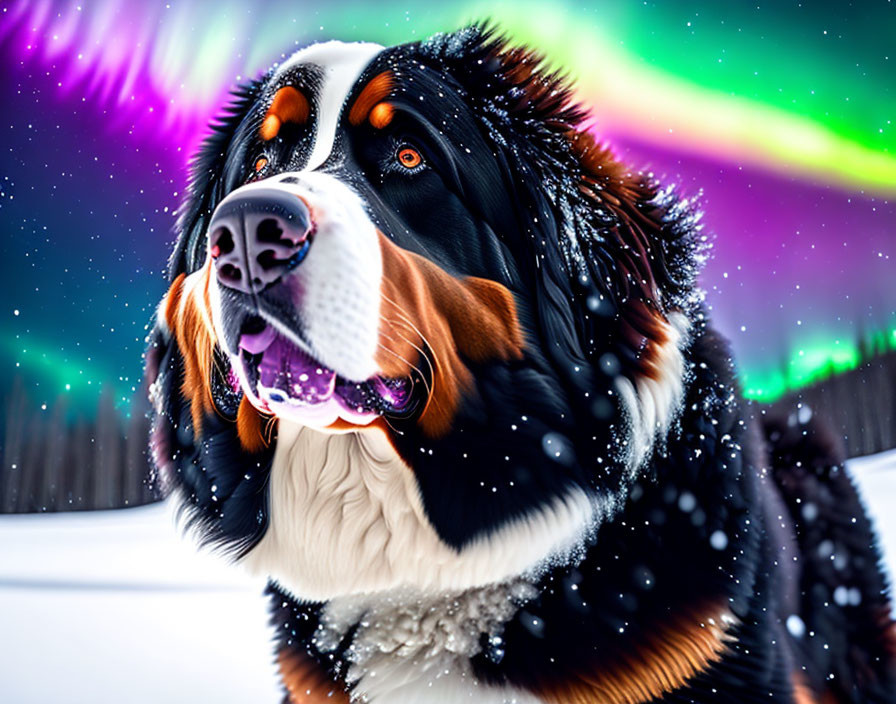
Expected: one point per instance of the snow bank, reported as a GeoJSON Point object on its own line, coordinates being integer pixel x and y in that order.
{"type": "Point", "coordinates": [115, 606]}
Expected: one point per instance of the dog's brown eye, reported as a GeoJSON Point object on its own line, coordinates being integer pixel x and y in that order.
{"type": "Point", "coordinates": [260, 163]}
{"type": "Point", "coordinates": [409, 157]}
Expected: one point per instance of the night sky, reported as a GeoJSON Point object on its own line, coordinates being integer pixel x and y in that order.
{"type": "Point", "coordinates": [781, 114]}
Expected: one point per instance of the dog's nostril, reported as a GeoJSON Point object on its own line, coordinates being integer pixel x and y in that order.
{"type": "Point", "coordinates": [229, 274]}
{"type": "Point", "coordinates": [269, 230]}
{"type": "Point", "coordinates": [258, 236]}
{"type": "Point", "coordinates": [222, 239]}
{"type": "Point", "coordinates": [268, 259]}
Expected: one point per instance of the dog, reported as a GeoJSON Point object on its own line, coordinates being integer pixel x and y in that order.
{"type": "Point", "coordinates": [436, 364]}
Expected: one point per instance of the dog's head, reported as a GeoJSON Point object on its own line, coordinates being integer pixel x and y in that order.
{"type": "Point", "coordinates": [423, 244]}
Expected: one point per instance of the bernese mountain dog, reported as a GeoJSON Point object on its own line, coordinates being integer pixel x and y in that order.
{"type": "Point", "coordinates": [437, 365]}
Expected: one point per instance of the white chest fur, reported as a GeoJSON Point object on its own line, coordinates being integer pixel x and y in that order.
{"type": "Point", "coordinates": [346, 518]}
{"type": "Point", "coordinates": [412, 647]}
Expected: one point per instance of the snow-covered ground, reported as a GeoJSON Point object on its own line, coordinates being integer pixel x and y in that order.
{"type": "Point", "coordinates": [114, 606]}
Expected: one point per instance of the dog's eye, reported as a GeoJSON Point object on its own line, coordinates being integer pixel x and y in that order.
{"type": "Point", "coordinates": [409, 157]}
{"type": "Point", "coordinates": [260, 163]}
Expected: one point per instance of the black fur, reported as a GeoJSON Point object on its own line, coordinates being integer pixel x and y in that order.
{"type": "Point", "coordinates": [223, 488]}
{"type": "Point", "coordinates": [843, 594]}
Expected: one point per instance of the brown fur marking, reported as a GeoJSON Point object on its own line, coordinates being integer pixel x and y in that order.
{"type": "Point", "coordinates": [191, 327]}
{"type": "Point", "coordinates": [802, 694]}
{"type": "Point", "coordinates": [306, 682]}
{"type": "Point", "coordinates": [288, 107]}
{"type": "Point", "coordinates": [189, 320]}
{"type": "Point", "coordinates": [887, 628]}
{"type": "Point", "coordinates": [644, 331]}
{"type": "Point", "coordinates": [454, 318]}
{"type": "Point", "coordinates": [381, 115]}
{"type": "Point", "coordinates": [668, 659]}
{"type": "Point", "coordinates": [250, 427]}
{"type": "Point", "coordinates": [376, 90]}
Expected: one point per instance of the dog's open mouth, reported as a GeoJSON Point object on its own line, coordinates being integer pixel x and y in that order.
{"type": "Point", "coordinates": [281, 378]}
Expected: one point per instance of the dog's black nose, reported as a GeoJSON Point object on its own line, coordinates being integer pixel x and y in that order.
{"type": "Point", "coordinates": [256, 237]}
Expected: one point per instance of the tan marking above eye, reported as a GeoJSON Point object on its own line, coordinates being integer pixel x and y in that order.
{"type": "Point", "coordinates": [409, 157]}
{"type": "Point", "coordinates": [381, 115]}
{"type": "Point", "coordinates": [260, 163]}
{"type": "Point", "coordinates": [375, 91]}
{"type": "Point", "coordinates": [288, 107]}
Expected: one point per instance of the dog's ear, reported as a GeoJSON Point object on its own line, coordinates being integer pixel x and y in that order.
{"type": "Point", "coordinates": [200, 447]}
{"type": "Point", "coordinates": [221, 477]}
{"type": "Point", "coordinates": [216, 454]}
{"type": "Point", "coordinates": [615, 296]}
{"type": "Point", "coordinates": [621, 240]}
{"type": "Point", "coordinates": [614, 226]}
{"type": "Point", "coordinates": [651, 237]}
{"type": "Point", "coordinates": [210, 179]}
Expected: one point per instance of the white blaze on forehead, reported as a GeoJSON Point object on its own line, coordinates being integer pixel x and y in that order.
{"type": "Point", "coordinates": [342, 64]}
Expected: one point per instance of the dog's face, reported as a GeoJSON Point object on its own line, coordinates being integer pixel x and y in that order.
{"type": "Point", "coordinates": [418, 244]}
{"type": "Point", "coordinates": [340, 285]}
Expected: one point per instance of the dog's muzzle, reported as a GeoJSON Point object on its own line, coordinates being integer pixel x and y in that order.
{"type": "Point", "coordinates": [296, 300]}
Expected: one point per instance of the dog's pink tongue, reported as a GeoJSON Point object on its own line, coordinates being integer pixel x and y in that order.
{"type": "Point", "coordinates": [258, 342]}
{"type": "Point", "coordinates": [286, 368]}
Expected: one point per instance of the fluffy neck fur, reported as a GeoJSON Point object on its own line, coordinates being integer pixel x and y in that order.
{"type": "Point", "coordinates": [346, 518]}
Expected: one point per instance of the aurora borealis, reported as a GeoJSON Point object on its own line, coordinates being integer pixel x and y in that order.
{"type": "Point", "coordinates": [781, 114]}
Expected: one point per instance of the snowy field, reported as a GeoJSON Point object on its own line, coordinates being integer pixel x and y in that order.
{"type": "Point", "coordinates": [114, 607]}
